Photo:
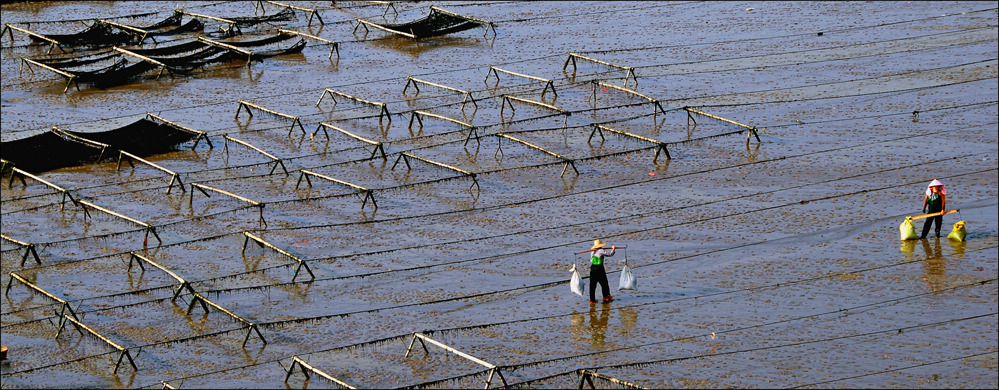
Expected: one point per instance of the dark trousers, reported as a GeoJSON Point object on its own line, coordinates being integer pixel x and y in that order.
{"type": "Point", "coordinates": [938, 220]}
{"type": "Point", "coordinates": [598, 275]}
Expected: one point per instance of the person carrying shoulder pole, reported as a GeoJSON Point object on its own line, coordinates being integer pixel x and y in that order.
{"type": "Point", "coordinates": [934, 202]}
{"type": "Point", "coordinates": [598, 275]}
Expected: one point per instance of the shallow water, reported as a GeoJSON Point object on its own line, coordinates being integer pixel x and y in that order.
{"type": "Point", "coordinates": [770, 263]}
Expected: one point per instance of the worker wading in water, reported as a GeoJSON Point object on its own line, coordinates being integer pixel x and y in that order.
{"type": "Point", "coordinates": [598, 275]}
{"type": "Point", "coordinates": [934, 202]}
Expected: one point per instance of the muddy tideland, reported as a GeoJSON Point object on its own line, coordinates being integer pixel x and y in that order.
{"type": "Point", "coordinates": [400, 201]}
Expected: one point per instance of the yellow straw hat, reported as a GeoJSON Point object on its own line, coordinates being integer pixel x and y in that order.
{"type": "Point", "coordinates": [598, 244]}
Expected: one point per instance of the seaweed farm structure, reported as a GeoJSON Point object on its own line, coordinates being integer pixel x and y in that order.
{"type": "Point", "coordinates": [409, 215]}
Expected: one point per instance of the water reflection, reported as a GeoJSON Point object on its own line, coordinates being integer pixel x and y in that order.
{"type": "Point", "coordinates": [934, 265]}
{"type": "Point", "coordinates": [907, 247]}
{"type": "Point", "coordinates": [591, 326]}
{"type": "Point", "coordinates": [594, 323]}
{"type": "Point", "coordinates": [957, 247]}
{"type": "Point", "coordinates": [629, 318]}
{"type": "Point", "coordinates": [598, 326]}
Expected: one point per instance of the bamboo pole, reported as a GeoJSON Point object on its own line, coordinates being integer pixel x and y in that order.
{"type": "Point", "coordinates": [508, 98]}
{"type": "Point", "coordinates": [230, 22]}
{"type": "Point", "coordinates": [144, 58]}
{"type": "Point", "coordinates": [21, 174]}
{"type": "Point", "coordinates": [174, 177]}
{"type": "Point", "coordinates": [312, 12]}
{"type": "Point", "coordinates": [655, 102]}
{"type": "Point", "coordinates": [368, 193]}
{"type": "Point", "coordinates": [183, 284]}
{"type": "Point", "coordinates": [334, 46]}
{"type": "Point", "coordinates": [29, 248]}
{"type": "Point", "coordinates": [568, 162]}
{"type": "Point", "coordinates": [751, 129]}
{"type": "Point", "coordinates": [249, 324]}
{"type": "Point", "coordinates": [277, 161]}
{"type": "Point", "coordinates": [247, 105]}
{"type": "Point", "coordinates": [149, 228]}
{"type": "Point", "coordinates": [417, 114]}
{"type": "Point", "coordinates": [261, 242]}
{"type": "Point", "coordinates": [415, 81]}
{"type": "Point", "coordinates": [73, 137]}
{"type": "Point", "coordinates": [63, 304]}
{"type": "Point", "coordinates": [142, 33]}
{"type": "Point", "coordinates": [199, 134]}
{"type": "Point", "coordinates": [587, 375]}
{"type": "Point", "coordinates": [123, 351]}
{"type": "Point", "coordinates": [431, 162]}
{"type": "Point", "coordinates": [249, 54]}
{"type": "Point", "coordinates": [7, 26]}
{"type": "Point", "coordinates": [52, 42]}
{"type": "Point", "coordinates": [477, 20]}
{"type": "Point", "coordinates": [332, 94]}
{"type": "Point", "coordinates": [204, 188]}
{"type": "Point", "coordinates": [660, 146]}
{"type": "Point", "coordinates": [630, 71]}
{"type": "Point", "coordinates": [493, 369]}
{"type": "Point", "coordinates": [19, 278]}
{"type": "Point", "coordinates": [377, 144]}
{"type": "Point", "coordinates": [71, 77]}
{"type": "Point", "coordinates": [307, 367]}
{"type": "Point", "coordinates": [548, 83]}
{"type": "Point", "coordinates": [365, 23]}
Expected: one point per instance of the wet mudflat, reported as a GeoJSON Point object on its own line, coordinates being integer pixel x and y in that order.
{"type": "Point", "coordinates": [769, 262]}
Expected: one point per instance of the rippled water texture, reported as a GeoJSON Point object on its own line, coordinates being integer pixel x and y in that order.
{"type": "Point", "coordinates": [397, 213]}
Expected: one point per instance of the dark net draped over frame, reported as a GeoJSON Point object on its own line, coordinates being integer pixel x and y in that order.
{"type": "Point", "coordinates": [53, 150]}
{"type": "Point", "coordinates": [435, 24]}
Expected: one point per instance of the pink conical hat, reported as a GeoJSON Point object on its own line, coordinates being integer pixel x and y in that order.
{"type": "Point", "coordinates": [936, 183]}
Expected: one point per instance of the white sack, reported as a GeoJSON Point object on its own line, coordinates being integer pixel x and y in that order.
{"type": "Point", "coordinates": [576, 282]}
{"type": "Point", "coordinates": [628, 280]}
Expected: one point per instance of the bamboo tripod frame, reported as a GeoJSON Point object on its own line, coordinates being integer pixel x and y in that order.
{"type": "Point", "coordinates": [204, 190]}
{"type": "Point", "coordinates": [277, 160]}
{"type": "Point", "coordinates": [20, 174]}
{"type": "Point", "coordinates": [294, 119]}
{"type": "Point", "coordinates": [629, 75]}
{"type": "Point", "coordinates": [508, 99]}
{"type": "Point", "coordinates": [148, 228]}
{"type": "Point", "coordinates": [415, 82]}
{"type": "Point", "coordinates": [405, 156]}
{"type": "Point", "coordinates": [312, 12]}
{"type": "Point", "coordinates": [72, 318]}
{"type": "Point", "coordinates": [378, 145]}
{"type": "Point", "coordinates": [382, 109]}
{"type": "Point", "coordinates": [549, 84]}
{"type": "Point", "coordinates": [660, 146]}
{"type": "Point", "coordinates": [262, 243]}
{"type": "Point", "coordinates": [9, 30]}
{"type": "Point", "coordinates": [368, 194]}
{"type": "Point", "coordinates": [174, 177]}
{"type": "Point", "coordinates": [417, 114]}
{"type": "Point", "coordinates": [199, 135]}
{"type": "Point", "coordinates": [123, 352]}
{"type": "Point", "coordinates": [63, 304]}
{"type": "Point", "coordinates": [587, 376]}
{"type": "Point", "coordinates": [334, 46]}
{"type": "Point", "coordinates": [491, 368]}
{"type": "Point", "coordinates": [195, 296]}
{"type": "Point", "coordinates": [751, 130]}
{"type": "Point", "coordinates": [29, 248]}
{"type": "Point", "coordinates": [306, 368]}
{"type": "Point", "coordinates": [567, 161]}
